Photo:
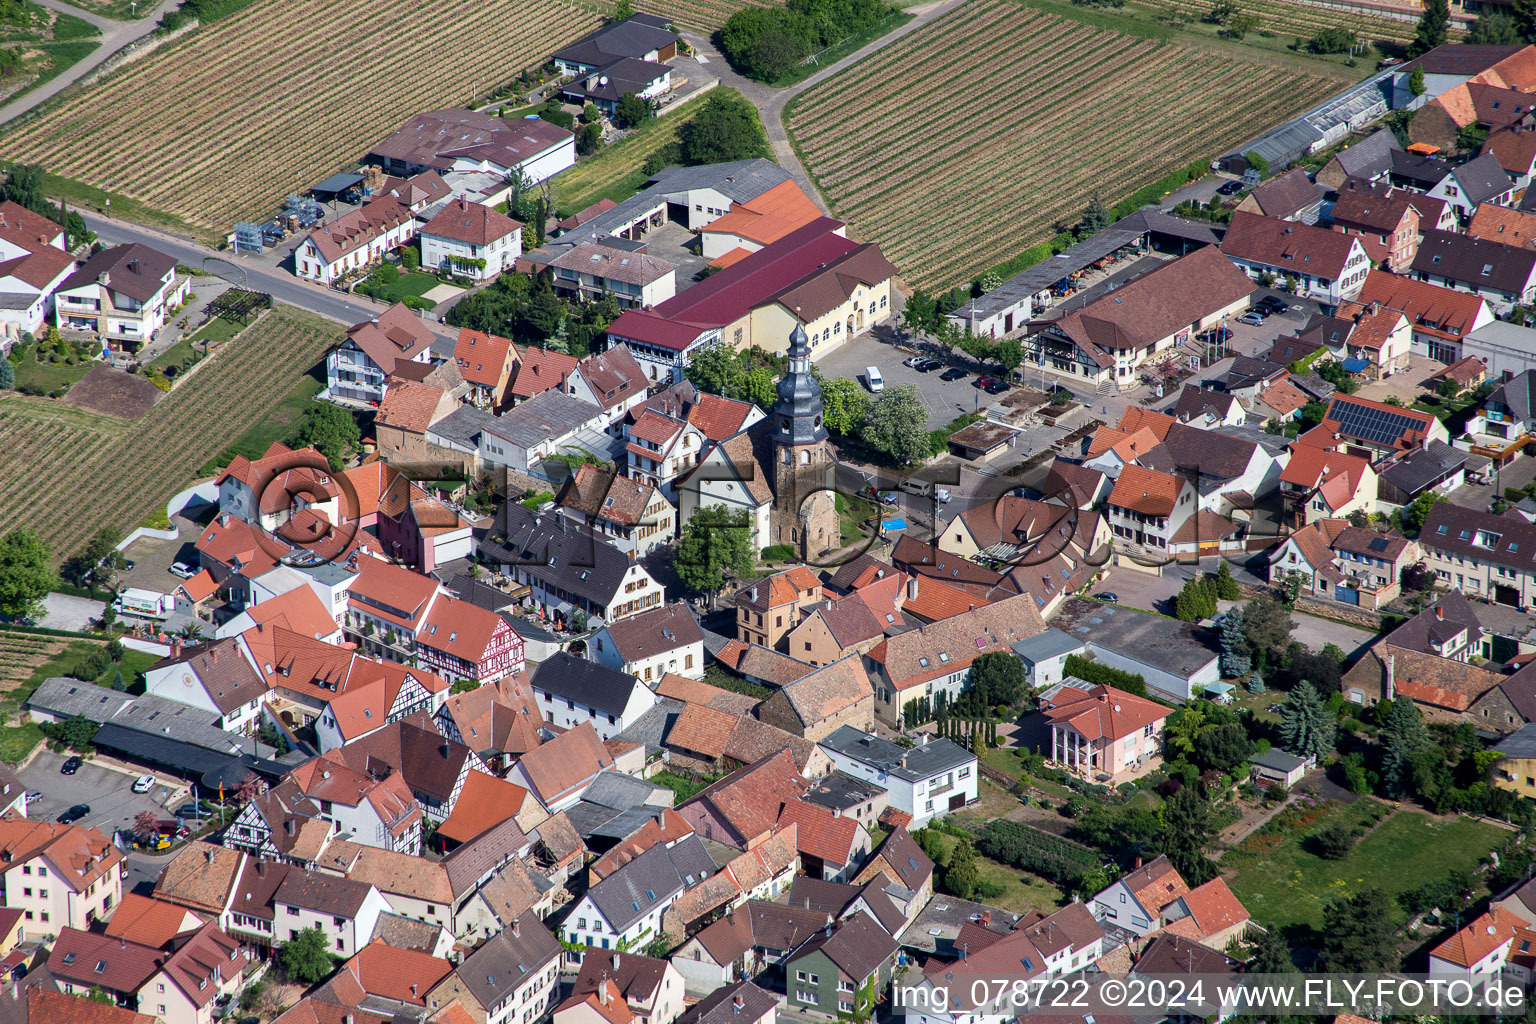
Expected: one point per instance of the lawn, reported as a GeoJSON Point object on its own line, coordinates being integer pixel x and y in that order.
{"type": "Point", "coordinates": [1021, 892]}
{"type": "Point", "coordinates": [48, 376]}
{"type": "Point", "coordinates": [1283, 883]}
{"type": "Point", "coordinates": [685, 786]}
{"type": "Point", "coordinates": [214, 331]}
{"type": "Point", "coordinates": [413, 285]}
{"type": "Point", "coordinates": [616, 172]}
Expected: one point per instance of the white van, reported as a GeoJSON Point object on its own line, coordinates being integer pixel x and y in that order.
{"type": "Point", "coordinates": [873, 379]}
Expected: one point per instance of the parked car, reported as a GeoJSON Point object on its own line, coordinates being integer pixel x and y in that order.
{"type": "Point", "coordinates": [942, 496]}
{"type": "Point", "coordinates": [1252, 318]}
{"type": "Point", "coordinates": [995, 387]}
{"type": "Point", "coordinates": [913, 361]}
{"type": "Point", "coordinates": [886, 497]}
{"type": "Point", "coordinates": [1231, 188]}
{"type": "Point", "coordinates": [1109, 597]}
{"type": "Point", "coordinates": [71, 766]}
{"type": "Point", "coordinates": [35, 794]}
{"type": "Point", "coordinates": [1270, 305]}
{"type": "Point", "coordinates": [194, 810]}
{"type": "Point", "coordinates": [143, 784]}
{"type": "Point", "coordinates": [1219, 334]}
{"type": "Point", "coordinates": [954, 373]}
{"type": "Point", "coordinates": [183, 570]}
{"type": "Point", "coordinates": [74, 814]}
{"type": "Point", "coordinates": [128, 565]}
{"type": "Point", "coordinates": [928, 366]}
{"type": "Point", "coordinates": [984, 381]}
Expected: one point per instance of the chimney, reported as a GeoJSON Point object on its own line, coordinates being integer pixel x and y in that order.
{"type": "Point", "coordinates": [261, 867]}
{"type": "Point", "coordinates": [1439, 612]}
{"type": "Point", "coordinates": [1137, 864]}
{"type": "Point", "coordinates": [1391, 676]}
{"type": "Point", "coordinates": [517, 931]}
{"type": "Point", "coordinates": [223, 518]}
{"type": "Point", "coordinates": [602, 991]}
{"type": "Point", "coordinates": [413, 990]}
{"type": "Point", "coordinates": [615, 961]}
{"type": "Point", "coordinates": [737, 1002]}
{"type": "Point", "coordinates": [912, 589]}
{"type": "Point", "coordinates": [176, 647]}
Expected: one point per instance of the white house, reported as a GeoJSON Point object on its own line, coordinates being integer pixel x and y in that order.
{"type": "Point", "coordinates": [511, 978]}
{"type": "Point", "coordinates": [662, 641]}
{"type": "Point", "coordinates": [590, 271]}
{"type": "Point", "coordinates": [926, 781]}
{"type": "Point", "coordinates": [455, 139]}
{"type": "Point", "coordinates": [1135, 903]}
{"type": "Point", "coordinates": [215, 677]}
{"type": "Point", "coordinates": [730, 475]}
{"type": "Point", "coordinates": [571, 690]}
{"type": "Point", "coordinates": [551, 423]}
{"type": "Point", "coordinates": [1146, 508]}
{"type": "Point", "coordinates": [345, 911]}
{"type": "Point", "coordinates": [58, 876]}
{"type": "Point", "coordinates": [1045, 656]}
{"type": "Point", "coordinates": [471, 240]}
{"type": "Point", "coordinates": [355, 240]}
{"type": "Point", "coordinates": [1480, 180]}
{"type": "Point", "coordinates": [355, 369]}
{"type": "Point", "coordinates": [1478, 953]}
{"type": "Point", "coordinates": [124, 294]}
{"type": "Point", "coordinates": [626, 907]}
{"type": "Point", "coordinates": [1326, 265]}
{"type": "Point", "coordinates": [27, 286]}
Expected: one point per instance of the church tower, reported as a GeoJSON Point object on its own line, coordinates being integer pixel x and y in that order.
{"type": "Point", "coordinates": [804, 513]}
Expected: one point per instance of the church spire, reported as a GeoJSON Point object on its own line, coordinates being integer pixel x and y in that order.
{"type": "Point", "coordinates": [797, 414]}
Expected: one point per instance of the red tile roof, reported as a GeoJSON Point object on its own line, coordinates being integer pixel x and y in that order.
{"type": "Point", "coordinates": [539, 370]}
{"type": "Point", "coordinates": [1478, 939]}
{"type": "Point", "coordinates": [484, 802]}
{"type": "Point", "coordinates": [149, 922]}
{"type": "Point", "coordinates": [471, 223]}
{"type": "Point", "coordinates": [403, 975]}
{"type": "Point", "coordinates": [821, 833]}
{"type": "Point", "coordinates": [1146, 491]}
{"type": "Point", "coordinates": [483, 358]}
{"type": "Point", "coordinates": [1427, 306]}
{"type": "Point", "coordinates": [1103, 712]}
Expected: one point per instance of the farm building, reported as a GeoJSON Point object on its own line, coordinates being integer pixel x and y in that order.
{"type": "Point", "coordinates": [1316, 129]}
{"type": "Point", "coordinates": [621, 57]}
{"type": "Point", "coordinates": [1031, 292]}
{"type": "Point", "coordinates": [761, 299]}
{"type": "Point", "coordinates": [465, 140]}
{"type": "Point", "coordinates": [123, 294]}
{"type": "Point", "coordinates": [1280, 768]}
{"type": "Point", "coordinates": [1106, 340]}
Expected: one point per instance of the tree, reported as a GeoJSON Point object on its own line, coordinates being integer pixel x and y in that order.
{"type": "Point", "coordinates": [1434, 24]}
{"type": "Point", "coordinates": [26, 576]}
{"type": "Point", "coordinates": [1226, 586]}
{"type": "Point", "coordinates": [1258, 162]}
{"type": "Point", "coordinates": [1306, 727]}
{"type": "Point", "coordinates": [1359, 934]}
{"type": "Point", "coordinates": [624, 9]}
{"type": "Point", "coordinates": [1412, 517]}
{"type": "Point", "coordinates": [715, 539]}
{"type": "Point", "coordinates": [146, 825]}
{"type": "Point", "coordinates": [307, 958]}
{"type": "Point", "coordinates": [1187, 828]}
{"type": "Point", "coordinates": [7, 375]}
{"type": "Point", "coordinates": [1416, 82]}
{"type": "Point", "coordinates": [758, 388]}
{"type": "Point", "coordinates": [631, 110]}
{"type": "Point", "coordinates": [963, 873]}
{"type": "Point", "coordinates": [1196, 600]}
{"type": "Point", "coordinates": [1240, 24]}
{"type": "Point", "coordinates": [716, 370]}
{"type": "Point", "coordinates": [101, 549]}
{"type": "Point", "coordinates": [1335, 839]}
{"type": "Point", "coordinates": [1235, 659]}
{"type": "Point", "coordinates": [1402, 739]}
{"type": "Point", "coordinates": [1184, 728]}
{"type": "Point", "coordinates": [1223, 747]}
{"type": "Point", "coordinates": [726, 128]}
{"type": "Point", "coordinates": [998, 678]}
{"type": "Point", "coordinates": [588, 139]}
{"type": "Point", "coordinates": [844, 404]}
{"type": "Point", "coordinates": [1267, 625]}
{"type": "Point", "coordinates": [1271, 954]}
{"type": "Point", "coordinates": [24, 187]}
{"type": "Point", "coordinates": [332, 430]}
{"type": "Point", "coordinates": [895, 424]}
{"type": "Point", "coordinates": [1523, 13]}
{"type": "Point", "coordinates": [1096, 217]}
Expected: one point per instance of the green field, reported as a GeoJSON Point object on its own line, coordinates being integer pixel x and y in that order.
{"type": "Point", "coordinates": [1283, 883]}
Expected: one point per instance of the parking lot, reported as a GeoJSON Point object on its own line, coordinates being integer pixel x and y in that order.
{"type": "Point", "coordinates": [107, 790]}
{"type": "Point", "coordinates": [152, 557]}
{"type": "Point", "coordinates": [945, 399]}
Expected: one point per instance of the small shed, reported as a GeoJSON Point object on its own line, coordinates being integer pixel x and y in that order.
{"type": "Point", "coordinates": [981, 440]}
{"type": "Point", "coordinates": [1278, 767]}
{"type": "Point", "coordinates": [346, 187]}
{"type": "Point", "coordinates": [1045, 656]}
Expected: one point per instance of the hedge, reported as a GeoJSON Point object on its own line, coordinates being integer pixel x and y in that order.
{"type": "Point", "coordinates": [1102, 675]}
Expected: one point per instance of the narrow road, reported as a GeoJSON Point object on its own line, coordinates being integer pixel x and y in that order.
{"type": "Point", "coordinates": [114, 36]}
{"type": "Point", "coordinates": [770, 101]}
{"type": "Point", "coordinates": [281, 285]}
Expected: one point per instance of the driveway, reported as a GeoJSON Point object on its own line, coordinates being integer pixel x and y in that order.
{"type": "Point", "coordinates": [108, 791]}
{"type": "Point", "coordinates": [65, 611]}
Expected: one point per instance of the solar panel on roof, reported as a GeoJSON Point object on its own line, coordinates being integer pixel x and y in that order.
{"type": "Point", "coordinates": [1379, 544]}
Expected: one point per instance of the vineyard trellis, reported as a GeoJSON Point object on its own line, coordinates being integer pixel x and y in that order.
{"type": "Point", "coordinates": [68, 473]}
{"type": "Point", "coordinates": [909, 144]}
{"type": "Point", "coordinates": [231, 152]}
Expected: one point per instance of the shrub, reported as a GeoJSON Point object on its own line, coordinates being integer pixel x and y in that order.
{"type": "Point", "coordinates": [1334, 840]}
{"type": "Point", "coordinates": [778, 552]}
{"type": "Point", "coordinates": [1103, 675]}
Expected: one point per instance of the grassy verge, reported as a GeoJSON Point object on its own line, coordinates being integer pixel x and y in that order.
{"type": "Point", "coordinates": [48, 376]}
{"type": "Point", "coordinates": [1282, 882]}
{"type": "Point", "coordinates": [83, 197]}
{"type": "Point", "coordinates": [837, 51]}
{"type": "Point", "coordinates": [215, 331]}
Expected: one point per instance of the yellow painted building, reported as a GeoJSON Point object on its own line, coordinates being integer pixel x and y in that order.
{"type": "Point", "coordinates": [1515, 771]}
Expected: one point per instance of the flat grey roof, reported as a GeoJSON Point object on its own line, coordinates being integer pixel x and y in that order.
{"type": "Point", "coordinates": [1151, 639]}
{"type": "Point", "coordinates": [1053, 643]}
{"type": "Point", "coordinates": [1278, 760]}
{"type": "Point", "coordinates": [909, 764]}
{"type": "Point", "coordinates": [550, 414]}
{"type": "Point", "coordinates": [1048, 271]}
{"type": "Point", "coordinates": [935, 929]}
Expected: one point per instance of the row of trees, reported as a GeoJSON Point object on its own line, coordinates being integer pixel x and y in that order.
{"type": "Point", "coordinates": [767, 43]}
{"type": "Point", "coordinates": [1197, 599]}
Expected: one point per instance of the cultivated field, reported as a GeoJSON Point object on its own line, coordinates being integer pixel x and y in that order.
{"type": "Point", "coordinates": [68, 471]}
{"type": "Point", "coordinates": [703, 16]}
{"type": "Point", "coordinates": [954, 162]}
{"type": "Point", "coordinates": [1291, 18]}
{"type": "Point", "coordinates": [223, 125]}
